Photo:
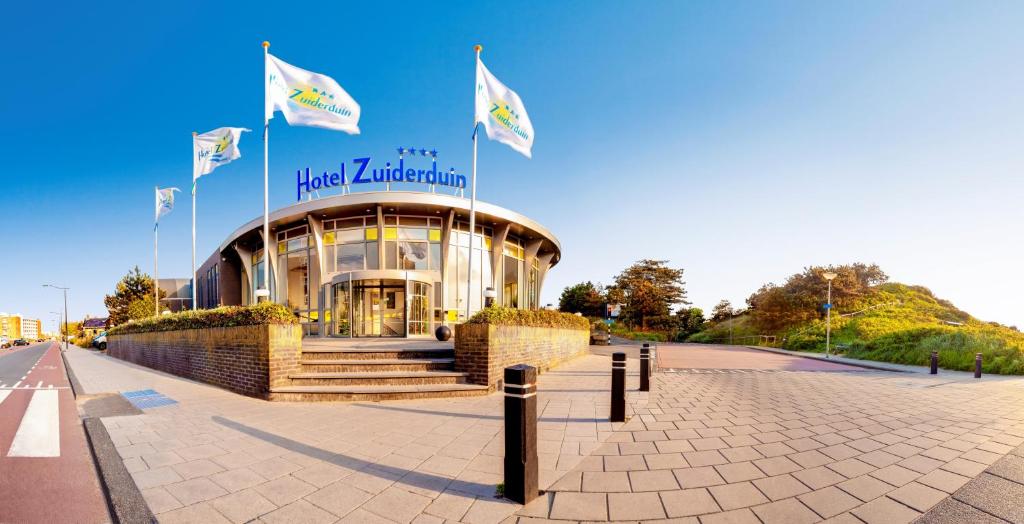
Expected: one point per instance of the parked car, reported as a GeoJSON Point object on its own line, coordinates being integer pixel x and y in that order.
{"type": "Point", "coordinates": [4, 342]}
{"type": "Point", "coordinates": [100, 341]}
{"type": "Point", "coordinates": [20, 342]}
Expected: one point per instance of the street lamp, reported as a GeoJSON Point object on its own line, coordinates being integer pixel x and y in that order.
{"type": "Point", "coordinates": [65, 290]}
{"type": "Point", "coordinates": [828, 310]}
{"type": "Point", "coordinates": [58, 319]}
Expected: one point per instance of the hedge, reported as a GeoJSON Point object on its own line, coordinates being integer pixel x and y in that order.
{"type": "Point", "coordinates": [506, 316]}
{"type": "Point", "coordinates": [226, 316]}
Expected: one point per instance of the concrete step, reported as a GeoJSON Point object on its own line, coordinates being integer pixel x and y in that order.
{"type": "Point", "coordinates": [369, 393]}
{"type": "Point", "coordinates": [377, 364]}
{"type": "Point", "coordinates": [377, 378]}
{"type": "Point", "coordinates": [386, 353]}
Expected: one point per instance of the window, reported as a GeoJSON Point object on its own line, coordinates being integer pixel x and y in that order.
{"type": "Point", "coordinates": [458, 270]}
{"type": "Point", "coordinates": [352, 245]}
{"type": "Point", "coordinates": [412, 243]}
{"type": "Point", "coordinates": [513, 269]}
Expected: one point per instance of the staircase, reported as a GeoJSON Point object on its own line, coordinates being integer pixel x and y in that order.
{"type": "Point", "coordinates": [346, 369]}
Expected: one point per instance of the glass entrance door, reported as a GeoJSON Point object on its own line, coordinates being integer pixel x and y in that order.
{"type": "Point", "coordinates": [378, 308]}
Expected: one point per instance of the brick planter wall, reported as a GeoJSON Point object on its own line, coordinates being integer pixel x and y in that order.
{"type": "Point", "coordinates": [244, 359]}
{"type": "Point", "coordinates": [484, 350]}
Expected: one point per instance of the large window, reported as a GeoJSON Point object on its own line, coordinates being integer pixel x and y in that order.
{"type": "Point", "coordinates": [458, 272]}
{"type": "Point", "coordinates": [412, 243]}
{"type": "Point", "coordinates": [511, 276]}
{"type": "Point", "coordinates": [299, 279]}
{"type": "Point", "coordinates": [351, 244]}
{"type": "Point", "coordinates": [532, 285]}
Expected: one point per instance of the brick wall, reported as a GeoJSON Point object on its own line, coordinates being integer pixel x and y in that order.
{"type": "Point", "coordinates": [484, 351]}
{"type": "Point", "coordinates": [244, 359]}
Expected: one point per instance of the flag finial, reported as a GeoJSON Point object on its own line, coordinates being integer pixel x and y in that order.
{"type": "Point", "coordinates": [478, 48]}
{"type": "Point", "coordinates": [266, 44]}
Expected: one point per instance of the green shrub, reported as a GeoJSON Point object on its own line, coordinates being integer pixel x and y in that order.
{"type": "Point", "coordinates": [82, 342]}
{"type": "Point", "coordinates": [226, 316]}
{"type": "Point", "coordinates": [506, 316]}
{"type": "Point", "coordinates": [599, 326]}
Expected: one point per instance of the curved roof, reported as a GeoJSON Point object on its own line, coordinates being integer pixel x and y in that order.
{"type": "Point", "coordinates": [401, 202]}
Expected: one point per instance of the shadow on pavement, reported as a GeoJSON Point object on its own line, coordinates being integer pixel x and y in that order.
{"type": "Point", "coordinates": [417, 479]}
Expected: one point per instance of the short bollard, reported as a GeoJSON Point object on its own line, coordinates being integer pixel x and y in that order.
{"type": "Point", "coordinates": [521, 470]}
{"type": "Point", "coordinates": [935, 363]}
{"type": "Point", "coordinates": [645, 367]}
{"type": "Point", "coordinates": [618, 388]}
{"type": "Point", "coordinates": [977, 365]}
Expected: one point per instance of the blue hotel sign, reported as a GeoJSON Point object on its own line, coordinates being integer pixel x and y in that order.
{"type": "Point", "coordinates": [362, 173]}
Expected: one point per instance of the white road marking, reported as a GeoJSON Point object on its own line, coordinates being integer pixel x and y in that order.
{"type": "Point", "coordinates": [23, 378]}
{"type": "Point", "coordinates": [3, 394]}
{"type": "Point", "coordinates": [16, 384]}
{"type": "Point", "coordinates": [39, 432]}
{"type": "Point", "coordinates": [40, 384]}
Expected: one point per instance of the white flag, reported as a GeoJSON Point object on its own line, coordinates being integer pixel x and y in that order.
{"type": "Point", "coordinates": [308, 99]}
{"type": "Point", "coordinates": [502, 112]}
{"type": "Point", "coordinates": [215, 148]}
{"type": "Point", "coordinates": [164, 201]}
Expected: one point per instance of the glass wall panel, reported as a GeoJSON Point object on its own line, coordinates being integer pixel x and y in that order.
{"type": "Point", "coordinates": [296, 266]}
{"type": "Point", "coordinates": [372, 256]}
{"type": "Point", "coordinates": [351, 257]}
{"type": "Point", "coordinates": [419, 308]}
{"type": "Point", "coordinates": [342, 327]}
{"type": "Point", "coordinates": [413, 255]}
{"type": "Point", "coordinates": [510, 282]}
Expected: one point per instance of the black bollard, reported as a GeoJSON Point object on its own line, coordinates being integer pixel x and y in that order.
{"type": "Point", "coordinates": [645, 367]}
{"type": "Point", "coordinates": [618, 388]}
{"type": "Point", "coordinates": [521, 473]}
{"type": "Point", "coordinates": [977, 365]}
{"type": "Point", "coordinates": [935, 363]}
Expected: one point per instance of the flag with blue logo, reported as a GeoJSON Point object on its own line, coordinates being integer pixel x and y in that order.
{"type": "Point", "coordinates": [502, 112]}
{"type": "Point", "coordinates": [308, 99]}
{"type": "Point", "coordinates": [213, 149]}
{"type": "Point", "coordinates": [164, 201]}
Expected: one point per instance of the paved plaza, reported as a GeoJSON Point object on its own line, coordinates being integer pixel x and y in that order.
{"type": "Point", "coordinates": [733, 435]}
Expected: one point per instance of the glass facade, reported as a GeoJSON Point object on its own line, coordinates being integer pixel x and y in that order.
{"type": "Point", "coordinates": [460, 288]}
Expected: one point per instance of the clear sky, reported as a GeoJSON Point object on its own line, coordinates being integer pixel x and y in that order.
{"type": "Point", "coordinates": [740, 141]}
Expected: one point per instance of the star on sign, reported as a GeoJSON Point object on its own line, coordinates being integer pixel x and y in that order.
{"type": "Point", "coordinates": [412, 150]}
{"type": "Point", "coordinates": [401, 150]}
{"type": "Point", "coordinates": [423, 152]}
{"type": "Point", "coordinates": [433, 153]}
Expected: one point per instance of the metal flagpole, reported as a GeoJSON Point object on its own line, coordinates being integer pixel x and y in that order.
{"type": "Point", "coordinates": [194, 187]}
{"type": "Point", "coordinates": [266, 186]}
{"type": "Point", "coordinates": [156, 264]}
{"type": "Point", "coordinates": [472, 203]}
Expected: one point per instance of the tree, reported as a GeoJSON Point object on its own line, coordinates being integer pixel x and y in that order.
{"type": "Point", "coordinates": [648, 288]}
{"type": "Point", "coordinates": [691, 320]}
{"type": "Point", "coordinates": [130, 298]}
{"type": "Point", "coordinates": [585, 298]}
{"type": "Point", "coordinates": [722, 311]}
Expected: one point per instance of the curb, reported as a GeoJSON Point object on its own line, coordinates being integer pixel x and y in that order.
{"type": "Point", "coordinates": [823, 359]}
{"type": "Point", "coordinates": [126, 503]}
{"type": "Point", "coordinates": [124, 500]}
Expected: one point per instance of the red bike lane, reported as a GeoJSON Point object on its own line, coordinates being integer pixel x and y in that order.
{"type": "Point", "coordinates": [46, 468]}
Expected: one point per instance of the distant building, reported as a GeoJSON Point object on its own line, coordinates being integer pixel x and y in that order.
{"type": "Point", "coordinates": [177, 294]}
{"type": "Point", "coordinates": [16, 326]}
{"type": "Point", "coordinates": [92, 326]}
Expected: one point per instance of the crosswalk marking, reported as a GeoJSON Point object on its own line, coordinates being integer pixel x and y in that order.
{"type": "Point", "coordinates": [39, 432]}
{"type": "Point", "coordinates": [3, 394]}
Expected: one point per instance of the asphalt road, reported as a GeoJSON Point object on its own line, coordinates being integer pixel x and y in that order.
{"type": "Point", "coordinates": [16, 362]}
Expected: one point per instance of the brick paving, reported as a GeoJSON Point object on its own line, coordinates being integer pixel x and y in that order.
{"type": "Point", "coordinates": [790, 447]}
{"type": "Point", "coordinates": [220, 457]}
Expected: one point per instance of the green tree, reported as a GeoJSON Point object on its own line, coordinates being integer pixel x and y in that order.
{"type": "Point", "coordinates": [691, 320]}
{"type": "Point", "coordinates": [722, 311]}
{"type": "Point", "coordinates": [130, 299]}
{"type": "Point", "coordinates": [586, 298]}
{"type": "Point", "coordinates": [649, 289]}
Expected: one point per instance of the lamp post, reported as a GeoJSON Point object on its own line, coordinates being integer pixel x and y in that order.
{"type": "Point", "coordinates": [828, 310]}
{"type": "Point", "coordinates": [65, 290]}
{"type": "Point", "coordinates": [59, 317]}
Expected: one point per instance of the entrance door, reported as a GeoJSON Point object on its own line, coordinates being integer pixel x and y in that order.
{"type": "Point", "coordinates": [393, 315]}
{"type": "Point", "coordinates": [378, 308]}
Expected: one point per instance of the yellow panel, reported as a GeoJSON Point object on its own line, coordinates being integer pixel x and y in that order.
{"type": "Point", "coordinates": [391, 233]}
{"type": "Point", "coordinates": [282, 247]}
{"type": "Point", "coordinates": [487, 243]}
{"type": "Point", "coordinates": [453, 315]}
{"type": "Point", "coordinates": [371, 233]}
{"type": "Point", "coordinates": [435, 235]}
{"type": "Point", "coordinates": [328, 238]}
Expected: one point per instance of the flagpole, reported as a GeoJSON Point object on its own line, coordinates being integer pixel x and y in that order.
{"type": "Point", "coordinates": [472, 206]}
{"type": "Point", "coordinates": [195, 184]}
{"type": "Point", "coordinates": [156, 264]}
{"type": "Point", "coordinates": [266, 186]}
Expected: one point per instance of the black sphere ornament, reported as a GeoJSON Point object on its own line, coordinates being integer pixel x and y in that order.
{"type": "Point", "coordinates": [443, 333]}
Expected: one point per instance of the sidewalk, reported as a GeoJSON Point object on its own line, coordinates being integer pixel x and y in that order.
{"type": "Point", "coordinates": [219, 457]}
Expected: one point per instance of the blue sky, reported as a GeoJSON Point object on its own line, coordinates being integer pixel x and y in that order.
{"type": "Point", "coordinates": [740, 142]}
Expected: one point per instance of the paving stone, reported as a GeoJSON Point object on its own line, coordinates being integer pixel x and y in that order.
{"type": "Point", "coordinates": [829, 502]}
{"type": "Point", "coordinates": [688, 502]}
{"type": "Point", "coordinates": [666, 461]}
{"type": "Point", "coordinates": [698, 459]}
{"type": "Point", "coordinates": [739, 495]}
{"type": "Point", "coordinates": [152, 478]}
{"type": "Point", "coordinates": [884, 510]}
{"type": "Point", "coordinates": [243, 506]}
{"type": "Point", "coordinates": [159, 500]}
{"type": "Point", "coordinates": [339, 499]}
{"type": "Point", "coordinates": [196, 469]}
{"type": "Point", "coordinates": [741, 454]}
{"type": "Point", "coordinates": [818, 477]}
{"type": "Point", "coordinates": [298, 511]}
{"type": "Point", "coordinates": [964, 467]}
{"type": "Point", "coordinates": [579, 506]}
{"type": "Point", "coordinates": [192, 491]}
{"type": "Point", "coordinates": [698, 477]}
{"type": "Point", "coordinates": [635, 506]}
{"type": "Point", "coordinates": [453, 505]}
{"type": "Point", "coordinates": [810, 459]}
{"type": "Point", "coordinates": [658, 480]}
{"type": "Point", "coordinates": [739, 472]}
{"type": "Point", "coordinates": [202, 513]}
{"type": "Point", "coordinates": [917, 496]}
{"type": "Point", "coordinates": [1010, 467]}
{"type": "Point", "coordinates": [777, 465]}
{"type": "Point", "coordinates": [489, 511]}
{"type": "Point", "coordinates": [943, 480]}
{"type": "Point", "coordinates": [605, 481]}
{"type": "Point", "coordinates": [361, 516]}
{"type": "Point", "coordinates": [865, 487]}
{"type": "Point", "coordinates": [738, 516]}
{"type": "Point", "coordinates": [895, 475]}
{"type": "Point", "coordinates": [788, 511]}
{"type": "Point", "coordinates": [284, 490]}
{"type": "Point", "coordinates": [780, 487]}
